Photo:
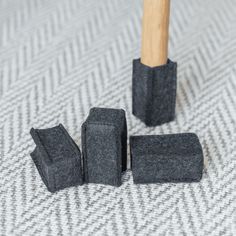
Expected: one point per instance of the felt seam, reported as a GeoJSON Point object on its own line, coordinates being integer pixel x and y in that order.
{"type": "Point", "coordinates": [84, 151]}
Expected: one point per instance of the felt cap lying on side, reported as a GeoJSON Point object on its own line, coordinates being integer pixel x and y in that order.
{"type": "Point", "coordinates": [166, 158]}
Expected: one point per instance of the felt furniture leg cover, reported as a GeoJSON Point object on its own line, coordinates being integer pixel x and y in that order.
{"type": "Point", "coordinates": [104, 146]}
{"type": "Point", "coordinates": [57, 158]}
{"type": "Point", "coordinates": [166, 158]}
{"type": "Point", "coordinates": [154, 92]}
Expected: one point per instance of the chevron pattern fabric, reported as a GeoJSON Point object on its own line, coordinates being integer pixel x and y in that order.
{"type": "Point", "coordinates": [59, 58]}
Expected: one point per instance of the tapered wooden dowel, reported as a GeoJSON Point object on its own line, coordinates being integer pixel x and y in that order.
{"type": "Point", "coordinates": [155, 32]}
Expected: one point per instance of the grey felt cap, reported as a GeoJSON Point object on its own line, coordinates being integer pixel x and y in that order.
{"type": "Point", "coordinates": [154, 92]}
{"type": "Point", "coordinates": [166, 158]}
{"type": "Point", "coordinates": [57, 158]}
{"type": "Point", "coordinates": [104, 146]}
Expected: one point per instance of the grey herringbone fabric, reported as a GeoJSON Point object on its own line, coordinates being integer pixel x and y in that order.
{"type": "Point", "coordinates": [58, 58]}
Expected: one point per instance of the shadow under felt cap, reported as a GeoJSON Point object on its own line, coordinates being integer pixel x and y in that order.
{"type": "Point", "coordinates": [104, 146]}
{"type": "Point", "coordinates": [166, 158]}
{"type": "Point", "coordinates": [57, 158]}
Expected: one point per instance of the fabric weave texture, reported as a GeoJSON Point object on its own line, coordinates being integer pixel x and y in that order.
{"type": "Point", "coordinates": [59, 58]}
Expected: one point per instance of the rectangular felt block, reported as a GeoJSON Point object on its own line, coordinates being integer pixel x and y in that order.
{"type": "Point", "coordinates": [57, 158]}
{"type": "Point", "coordinates": [154, 92]}
{"type": "Point", "coordinates": [166, 158]}
{"type": "Point", "coordinates": [104, 146]}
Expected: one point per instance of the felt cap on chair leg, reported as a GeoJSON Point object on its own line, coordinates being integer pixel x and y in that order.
{"type": "Point", "coordinates": [154, 92]}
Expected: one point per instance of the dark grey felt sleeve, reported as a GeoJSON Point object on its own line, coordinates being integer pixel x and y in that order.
{"type": "Point", "coordinates": [57, 158]}
{"type": "Point", "coordinates": [166, 158]}
{"type": "Point", "coordinates": [154, 92]}
{"type": "Point", "coordinates": [104, 146]}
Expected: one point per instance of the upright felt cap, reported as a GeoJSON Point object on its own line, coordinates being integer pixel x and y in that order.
{"type": "Point", "coordinates": [104, 146]}
{"type": "Point", "coordinates": [57, 158]}
{"type": "Point", "coordinates": [154, 92]}
{"type": "Point", "coordinates": [166, 158]}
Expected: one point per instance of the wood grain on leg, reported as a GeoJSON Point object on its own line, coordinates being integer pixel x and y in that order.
{"type": "Point", "coordinates": [155, 32]}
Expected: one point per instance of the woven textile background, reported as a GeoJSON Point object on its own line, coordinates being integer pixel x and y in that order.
{"type": "Point", "coordinates": [59, 58]}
